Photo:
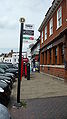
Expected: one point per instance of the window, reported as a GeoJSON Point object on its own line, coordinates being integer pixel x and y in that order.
{"type": "Point", "coordinates": [46, 57]}
{"type": "Point", "coordinates": [43, 58]}
{"type": "Point", "coordinates": [42, 37]}
{"type": "Point", "coordinates": [45, 32]}
{"type": "Point", "coordinates": [56, 55]}
{"type": "Point", "coordinates": [62, 53]}
{"type": "Point", "coordinates": [14, 60]}
{"type": "Point", "coordinates": [51, 26]}
{"type": "Point", "coordinates": [50, 55]}
{"type": "Point", "coordinates": [59, 17]}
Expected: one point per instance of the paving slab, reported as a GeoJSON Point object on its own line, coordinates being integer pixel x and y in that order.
{"type": "Point", "coordinates": [45, 96]}
{"type": "Point", "coordinates": [41, 86]}
{"type": "Point", "coordinates": [44, 108]}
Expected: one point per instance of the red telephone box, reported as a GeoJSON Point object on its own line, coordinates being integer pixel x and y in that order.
{"type": "Point", "coordinates": [24, 69]}
{"type": "Point", "coordinates": [25, 60]}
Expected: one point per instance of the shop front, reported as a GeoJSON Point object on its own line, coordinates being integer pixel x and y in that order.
{"type": "Point", "coordinates": [53, 57]}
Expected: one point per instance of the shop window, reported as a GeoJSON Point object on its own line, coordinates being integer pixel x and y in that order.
{"type": "Point", "coordinates": [43, 58]}
{"type": "Point", "coordinates": [59, 17]}
{"type": "Point", "coordinates": [33, 62]}
{"type": "Point", "coordinates": [50, 55]}
{"type": "Point", "coordinates": [46, 57]}
{"type": "Point", "coordinates": [62, 53]}
{"type": "Point", "coordinates": [56, 55]}
{"type": "Point", "coordinates": [51, 26]}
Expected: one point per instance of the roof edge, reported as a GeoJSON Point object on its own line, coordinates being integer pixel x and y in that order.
{"type": "Point", "coordinates": [50, 12]}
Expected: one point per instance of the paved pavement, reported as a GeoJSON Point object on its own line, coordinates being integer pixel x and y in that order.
{"type": "Point", "coordinates": [45, 96]}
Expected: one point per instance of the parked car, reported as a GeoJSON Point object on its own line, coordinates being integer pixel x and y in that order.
{"type": "Point", "coordinates": [4, 114]}
{"type": "Point", "coordinates": [1, 95]}
{"type": "Point", "coordinates": [4, 66]}
{"type": "Point", "coordinates": [8, 82]}
{"type": "Point", "coordinates": [11, 75]}
{"type": "Point", "coordinates": [12, 70]}
{"type": "Point", "coordinates": [2, 70]}
{"type": "Point", "coordinates": [5, 94]}
{"type": "Point", "coordinates": [7, 79]}
{"type": "Point", "coordinates": [9, 70]}
{"type": "Point", "coordinates": [9, 65]}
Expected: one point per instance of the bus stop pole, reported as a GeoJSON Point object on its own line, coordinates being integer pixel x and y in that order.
{"type": "Point", "coordinates": [20, 58]}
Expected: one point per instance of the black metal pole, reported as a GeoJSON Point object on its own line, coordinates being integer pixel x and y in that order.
{"type": "Point", "coordinates": [19, 66]}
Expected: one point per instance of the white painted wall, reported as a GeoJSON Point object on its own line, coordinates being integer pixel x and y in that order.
{"type": "Point", "coordinates": [15, 58]}
{"type": "Point", "coordinates": [8, 59]}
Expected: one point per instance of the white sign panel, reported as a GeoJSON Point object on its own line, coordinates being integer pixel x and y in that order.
{"type": "Point", "coordinates": [29, 27]}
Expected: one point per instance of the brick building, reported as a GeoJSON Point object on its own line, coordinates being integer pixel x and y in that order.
{"type": "Point", "coordinates": [35, 55]}
{"type": "Point", "coordinates": [53, 41]}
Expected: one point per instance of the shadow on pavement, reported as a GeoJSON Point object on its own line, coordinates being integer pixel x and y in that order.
{"type": "Point", "coordinates": [44, 108]}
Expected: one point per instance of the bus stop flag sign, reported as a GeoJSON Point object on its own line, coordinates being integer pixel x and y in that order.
{"type": "Point", "coordinates": [29, 27]}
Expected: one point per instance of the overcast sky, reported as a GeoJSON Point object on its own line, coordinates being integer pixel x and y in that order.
{"type": "Point", "coordinates": [11, 10]}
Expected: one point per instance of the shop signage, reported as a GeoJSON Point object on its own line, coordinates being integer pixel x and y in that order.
{"type": "Point", "coordinates": [50, 46]}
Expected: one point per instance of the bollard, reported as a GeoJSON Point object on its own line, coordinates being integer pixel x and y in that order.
{"type": "Point", "coordinates": [28, 71]}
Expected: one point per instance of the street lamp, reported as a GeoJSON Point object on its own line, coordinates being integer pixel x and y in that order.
{"type": "Point", "coordinates": [22, 20]}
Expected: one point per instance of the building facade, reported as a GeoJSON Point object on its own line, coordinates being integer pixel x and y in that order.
{"type": "Point", "coordinates": [53, 40]}
{"type": "Point", "coordinates": [1, 57]}
{"type": "Point", "coordinates": [35, 55]}
{"type": "Point", "coordinates": [29, 53]}
{"type": "Point", "coordinates": [12, 57]}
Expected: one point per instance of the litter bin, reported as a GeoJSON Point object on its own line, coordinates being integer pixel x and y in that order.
{"type": "Point", "coordinates": [28, 71]}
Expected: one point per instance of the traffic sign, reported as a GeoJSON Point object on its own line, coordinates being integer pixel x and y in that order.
{"type": "Point", "coordinates": [28, 32]}
{"type": "Point", "coordinates": [28, 38]}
